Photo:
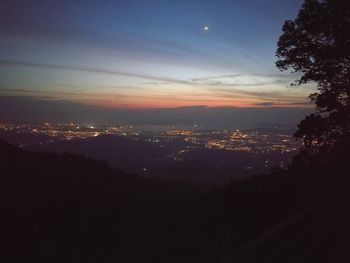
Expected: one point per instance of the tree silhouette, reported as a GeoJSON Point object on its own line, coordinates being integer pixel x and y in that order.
{"type": "Point", "coordinates": [317, 45]}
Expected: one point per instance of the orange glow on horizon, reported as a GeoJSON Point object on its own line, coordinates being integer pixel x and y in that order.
{"type": "Point", "coordinates": [134, 101]}
{"type": "Point", "coordinates": [170, 104]}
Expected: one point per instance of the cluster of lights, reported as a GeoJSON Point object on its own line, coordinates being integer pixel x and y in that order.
{"type": "Point", "coordinates": [237, 140]}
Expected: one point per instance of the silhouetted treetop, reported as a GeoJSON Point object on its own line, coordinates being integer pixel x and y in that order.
{"type": "Point", "coordinates": [317, 45]}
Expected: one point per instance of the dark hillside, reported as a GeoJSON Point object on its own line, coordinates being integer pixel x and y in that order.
{"type": "Point", "coordinates": [64, 207]}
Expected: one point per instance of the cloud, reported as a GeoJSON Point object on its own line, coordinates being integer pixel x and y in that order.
{"type": "Point", "coordinates": [233, 81]}
{"type": "Point", "coordinates": [235, 91]}
{"type": "Point", "coordinates": [28, 98]}
{"type": "Point", "coordinates": [91, 70]}
{"type": "Point", "coordinates": [194, 107]}
{"type": "Point", "coordinates": [5, 89]}
{"type": "Point", "coordinates": [217, 77]}
{"type": "Point", "coordinates": [244, 80]}
{"type": "Point", "coordinates": [25, 109]}
{"type": "Point", "coordinates": [265, 104]}
{"type": "Point", "coordinates": [282, 103]}
{"type": "Point", "coordinates": [224, 88]}
{"type": "Point", "coordinates": [217, 83]}
{"type": "Point", "coordinates": [225, 80]}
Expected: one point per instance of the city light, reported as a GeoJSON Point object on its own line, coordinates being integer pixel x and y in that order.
{"type": "Point", "coordinates": [225, 140]}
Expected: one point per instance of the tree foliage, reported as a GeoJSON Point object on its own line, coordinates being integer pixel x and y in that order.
{"type": "Point", "coordinates": [317, 45]}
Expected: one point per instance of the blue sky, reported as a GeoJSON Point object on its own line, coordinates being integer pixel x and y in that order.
{"type": "Point", "coordinates": [147, 54]}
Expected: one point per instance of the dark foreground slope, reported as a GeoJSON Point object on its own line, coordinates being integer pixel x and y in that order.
{"type": "Point", "coordinates": [319, 233]}
{"type": "Point", "coordinates": [66, 208]}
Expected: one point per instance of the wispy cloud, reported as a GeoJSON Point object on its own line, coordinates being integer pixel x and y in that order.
{"type": "Point", "coordinates": [244, 80]}
{"type": "Point", "coordinates": [265, 104]}
{"type": "Point", "coordinates": [255, 93]}
{"type": "Point", "coordinates": [227, 89]}
{"type": "Point", "coordinates": [227, 80]}
{"type": "Point", "coordinates": [91, 70]}
{"type": "Point", "coordinates": [217, 77]}
{"type": "Point", "coordinates": [284, 104]}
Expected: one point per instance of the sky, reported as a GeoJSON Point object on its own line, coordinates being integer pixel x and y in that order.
{"type": "Point", "coordinates": [139, 55]}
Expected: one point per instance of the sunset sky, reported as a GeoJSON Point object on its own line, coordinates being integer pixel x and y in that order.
{"type": "Point", "coordinates": [146, 54]}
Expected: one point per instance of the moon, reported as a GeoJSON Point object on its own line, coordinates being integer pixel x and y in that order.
{"type": "Point", "coordinates": [206, 28]}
